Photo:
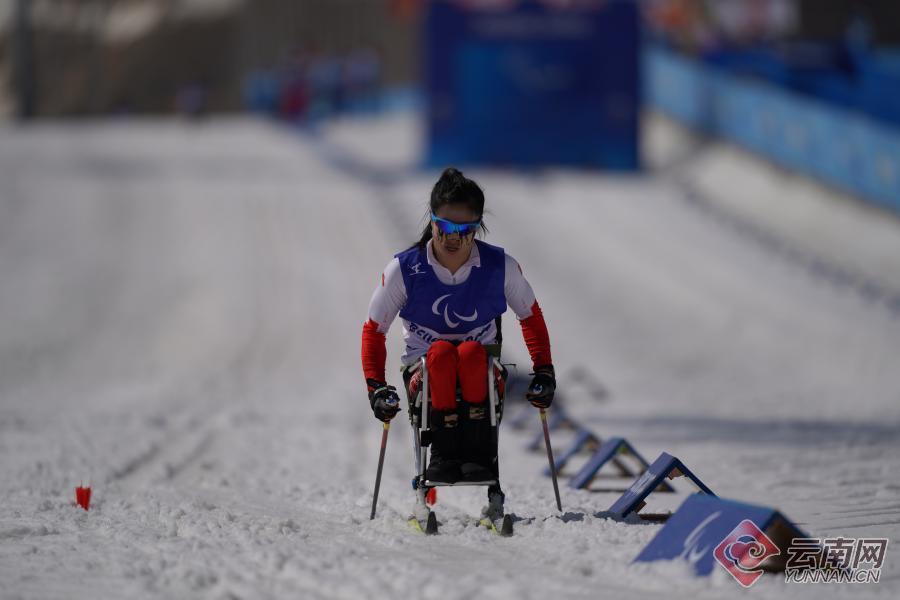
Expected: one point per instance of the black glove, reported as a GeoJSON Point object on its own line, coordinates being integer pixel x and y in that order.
{"type": "Point", "coordinates": [543, 385]}
{"type": "Point", "coordinates": [383, 399]}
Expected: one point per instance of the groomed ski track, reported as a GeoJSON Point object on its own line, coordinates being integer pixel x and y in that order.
{"type": "Point", "coordinates": [180, 309]}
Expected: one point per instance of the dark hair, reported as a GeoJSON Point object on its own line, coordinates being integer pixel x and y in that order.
{"type": "Point", "coordinates": [453, 188]}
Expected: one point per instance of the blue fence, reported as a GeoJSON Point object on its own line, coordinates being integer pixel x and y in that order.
{"type": "Point", "coordinates": [840, 146]}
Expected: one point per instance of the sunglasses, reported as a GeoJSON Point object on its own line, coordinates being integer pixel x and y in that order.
{"type": "Point", "coordinates": [449, 227]}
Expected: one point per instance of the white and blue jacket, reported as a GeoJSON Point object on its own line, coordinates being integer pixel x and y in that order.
{"type": "Point", "coordinates": [435, 304]}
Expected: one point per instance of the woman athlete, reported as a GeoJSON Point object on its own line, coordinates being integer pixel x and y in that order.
{"type": "Point", "coordinates": [450, 291]}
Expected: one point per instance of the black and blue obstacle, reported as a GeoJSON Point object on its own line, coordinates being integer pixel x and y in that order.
{"type": "Point", "coordinates": [616, 451]}
{"type": "Point", "coordinates": [665, 466]}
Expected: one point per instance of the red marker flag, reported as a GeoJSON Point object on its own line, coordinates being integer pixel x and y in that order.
{"type": "Point", "coordinates": [83, 497]}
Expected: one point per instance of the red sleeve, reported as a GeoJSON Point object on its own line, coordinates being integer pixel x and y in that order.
{"type": "Point", "coordinates": [537, 339]}
{"type": "Point", "coordinates": [374, 351]}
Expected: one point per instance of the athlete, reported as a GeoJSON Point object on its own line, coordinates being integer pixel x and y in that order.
{"type": "Point", "coordinates": [450, 290]}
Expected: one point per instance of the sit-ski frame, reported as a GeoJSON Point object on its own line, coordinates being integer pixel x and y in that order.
{"type": "Point", "coordinates": [420, 425]}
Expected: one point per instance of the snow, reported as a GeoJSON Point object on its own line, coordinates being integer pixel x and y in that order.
{"type": "Point", "coordinates": [817, 220]}
{"type": "Point", "coordinates": [179, 327]}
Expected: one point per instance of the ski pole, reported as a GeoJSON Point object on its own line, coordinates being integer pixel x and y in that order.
{"type": "Point", "coordinates": [550, 458]}
{"type": "Point", "coordinates": [384, 436]}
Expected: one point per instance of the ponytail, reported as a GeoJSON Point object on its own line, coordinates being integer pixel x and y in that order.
{"type": "Point", "coordinates": [425, 237]}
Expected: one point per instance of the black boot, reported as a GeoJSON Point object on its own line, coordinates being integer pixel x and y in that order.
{"type": "Point", "coordinates": [444, 465]}
{"type": "Point", "coordinates": [496, 499]}
{"type": "Point", "coordinates": [479, 456]}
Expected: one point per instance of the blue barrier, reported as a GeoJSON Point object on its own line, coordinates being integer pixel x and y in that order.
{"type": "Point", "coordinates": [612, 451]}
{"type": "Point", "coordinates": [678, 87]}
{"type": "Point", "coordinates": [838, 145]}
{"type": "Point", "coordinates": [880, 173]}
{"type": "Point", "coordinates": [584, 439]}
{"type": "Point", "coordinates": [666, 465]}
{"type": "Point", "coordinates": [557, 419]}
{"type": "Point", "coordinates": [703, 522]}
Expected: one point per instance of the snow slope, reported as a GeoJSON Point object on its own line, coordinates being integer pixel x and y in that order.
{"type": "Point", "coordinates": [180, 312]}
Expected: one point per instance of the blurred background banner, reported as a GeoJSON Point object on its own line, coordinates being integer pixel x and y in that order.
{"type": "Point", "coordinates": [527, 82]}
{"type": "Point", "coordinates": [811, 86]}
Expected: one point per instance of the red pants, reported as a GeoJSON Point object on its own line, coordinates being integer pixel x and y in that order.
{"type": "Point", "coordinates": [447, 364]}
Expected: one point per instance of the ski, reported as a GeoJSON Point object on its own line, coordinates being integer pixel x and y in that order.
{"type": "Point", "coordinates": [505, 528]}
{"type": "Point", "coordinates": [502, 527]}
{"type": "Point", "coordinates": [427, 527]}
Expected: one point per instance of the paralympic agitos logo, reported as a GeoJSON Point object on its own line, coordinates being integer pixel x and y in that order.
{"type": "Point", "coordinates": [436, 309]}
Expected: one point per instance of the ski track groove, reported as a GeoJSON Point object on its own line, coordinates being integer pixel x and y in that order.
{"type": "Point", "coordinates": [173, 453]}
{"type": "Point", "coordinates": [875, 294]}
